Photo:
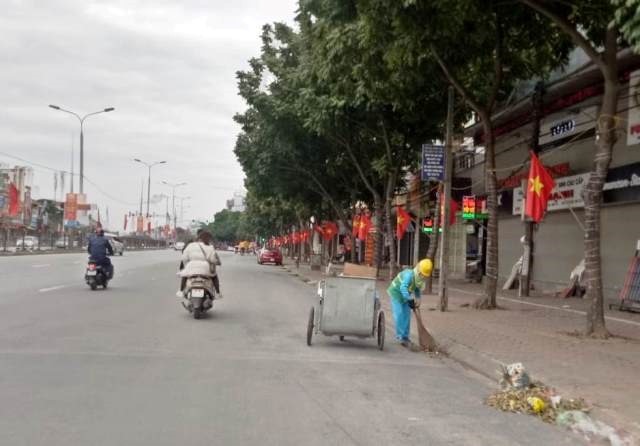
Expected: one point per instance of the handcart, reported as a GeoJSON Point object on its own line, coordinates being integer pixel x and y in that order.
{"type": "Point", "coordinates": [348, 306]}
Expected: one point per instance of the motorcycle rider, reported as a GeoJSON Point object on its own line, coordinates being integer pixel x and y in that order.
{"type": "Point", "coordinates": [99, 249]}
{"type": "Point", "coordinates": [200, 258]}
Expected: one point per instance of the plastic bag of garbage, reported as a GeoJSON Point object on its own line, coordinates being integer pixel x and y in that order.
{"type": "Point", "coordinates": [514, 376]}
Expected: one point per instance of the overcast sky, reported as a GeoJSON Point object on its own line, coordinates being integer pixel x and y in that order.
{"type": "Point", "coordinates": [168, 68]}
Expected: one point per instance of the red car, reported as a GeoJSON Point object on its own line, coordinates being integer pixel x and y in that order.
{"type": "Point", "coordinates": [269, 256]}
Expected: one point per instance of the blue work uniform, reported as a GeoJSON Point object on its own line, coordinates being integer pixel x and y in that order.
{"type": "Point", "coordinates": [405, 287]}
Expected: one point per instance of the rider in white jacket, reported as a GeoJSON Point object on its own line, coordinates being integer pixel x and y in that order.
{"type": "Point", "coordinates": [200, 258]}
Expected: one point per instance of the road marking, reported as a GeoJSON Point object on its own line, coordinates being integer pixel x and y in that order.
{"type": "Point", "coordinates": [550, 307]}
{"type": "Point", "coordinates": [41, 265]}
{"type": "Point", "coordinates": [57, 287]}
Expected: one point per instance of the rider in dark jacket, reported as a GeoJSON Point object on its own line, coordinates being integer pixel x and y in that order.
{"type": "Point", "coordinates": [99, 248]}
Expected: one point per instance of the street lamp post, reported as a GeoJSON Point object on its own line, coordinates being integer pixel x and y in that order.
{"type": "Point", "coordinates": [182, 206]}
{"type": "Point", "coordinates": [149, 166]}
{"type": "Point", "coordinates": [173, 187]}
{"type": "Point", "coordinates": [81, 119]}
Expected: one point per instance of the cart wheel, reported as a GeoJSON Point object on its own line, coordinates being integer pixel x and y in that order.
{"type": "Point", "coordinates": [310, 325]}
{"type": "Point", "coordinates": [380, 331]}
{"type": "Point", "coordinates": [342, 338]}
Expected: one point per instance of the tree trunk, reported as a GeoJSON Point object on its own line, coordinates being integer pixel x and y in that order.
{"type": "Point", "coordinates": [390, 227]}
{"type": "Point", "coordinates": [488, 301]}
{"type": "Point", "coordinates": [606, 138]}
{"type": "Point", "coordinates": [435, 237]}
{"type": "Point", "coordinates": [378, 248]}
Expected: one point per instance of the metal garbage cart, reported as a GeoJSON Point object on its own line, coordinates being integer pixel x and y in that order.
{"type": "Point", "coordinates": [348, 306]}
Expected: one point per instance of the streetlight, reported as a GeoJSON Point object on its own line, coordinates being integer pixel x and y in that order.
{"type": "Point", "coordinates": [149, 179]}
{"type": "Point", "coordinates": [81, 119]}
{"type": "Point", "coordinates": [173, 199]}
{"type": "Point", "coordinates": [182, 207]}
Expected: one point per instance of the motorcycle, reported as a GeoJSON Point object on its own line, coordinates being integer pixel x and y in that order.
{"type": "Point", "coordinates": [95, 276]}
{"type": "Point", "coordinates": [199, 295]}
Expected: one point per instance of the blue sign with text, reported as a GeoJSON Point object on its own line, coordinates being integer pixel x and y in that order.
{"type": "Point", "coordinates": [433, 159]}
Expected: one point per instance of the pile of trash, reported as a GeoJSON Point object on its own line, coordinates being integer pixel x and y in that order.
{"type": "Point", "coordinates": [519, 394]}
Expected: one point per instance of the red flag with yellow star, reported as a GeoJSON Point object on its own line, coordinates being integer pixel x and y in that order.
{"type": "Point", "coordinates": [402, 221]}
{"type": "Point", "coordinates": [539, 189]}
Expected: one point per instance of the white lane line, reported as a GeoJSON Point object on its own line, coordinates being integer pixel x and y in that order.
{"type": "Point", "coordinates": [41, 265]}
{"type": "Point", "coordinates": [550, 307]}
{"type": "Point", "coordinates": [53, 288]}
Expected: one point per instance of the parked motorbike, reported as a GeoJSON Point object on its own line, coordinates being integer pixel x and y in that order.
{"type": "Point", "coordinates": [199, 295]}
{"type": "Point", "coordinates": [96, 276]}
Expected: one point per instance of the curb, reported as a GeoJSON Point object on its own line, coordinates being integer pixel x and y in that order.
{"type": "Point", "coordinates": [475, 361]}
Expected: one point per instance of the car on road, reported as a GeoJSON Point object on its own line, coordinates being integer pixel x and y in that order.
{"type": "Point", "coordinates": [267, 255]}
{"type": "Point", "coordinates": [179, 246]}
{"type": "Point", "coordinates": [62, 243]}
{"type": "Point", "coordinates": [116, 244]}
{"type": "Point", "coordinates": [27, 243]}
{"type": "Point", "coordinates": [231, 249]}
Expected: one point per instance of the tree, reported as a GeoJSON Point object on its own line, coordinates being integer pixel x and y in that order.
{"type": "Point", "coordinates": [472, 42]}
{"type": "Point", "coordinates": [280, 157]}
{"type": "Point", "coordinates": [363, 102]}
{"type": "Point", "coordinates": [225, 226]}
{"type": "Point", "coordinates": [627, 17]}
{"type": "Point", "coordinates": [591, 26]}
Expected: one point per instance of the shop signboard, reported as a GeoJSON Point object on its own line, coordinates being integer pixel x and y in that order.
{"type": "Point", "coordinates": [633, 119]}
{"type": "Point", "coordinates": [571, 124]}
{"type": "Point", "coordinates": [622, 185]}
{"type": "Point", "coordinates": [567, 194]}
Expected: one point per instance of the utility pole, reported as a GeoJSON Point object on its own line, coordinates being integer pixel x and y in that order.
{"type": "Point", "coordinates": [444, 241]}
{"type": "Point", "coordinates": [141, 195]}
{"type": "Point", "coordinates": [173, 187]}
{"type": "Point", "coordinates": [527, 257]}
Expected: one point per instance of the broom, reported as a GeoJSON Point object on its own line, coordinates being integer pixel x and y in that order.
{"type": "Point", "coordinates": [427, 343]}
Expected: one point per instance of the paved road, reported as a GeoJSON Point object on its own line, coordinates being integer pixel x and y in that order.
{"type": "Point", "coordinates": [127, 366]}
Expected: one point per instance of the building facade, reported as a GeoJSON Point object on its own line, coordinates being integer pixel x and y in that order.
{"type": "Point", "coordinates": [568, 132]}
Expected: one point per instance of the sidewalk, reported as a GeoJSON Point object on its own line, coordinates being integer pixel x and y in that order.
{"type": "Point", "coordinates": [540, 332]}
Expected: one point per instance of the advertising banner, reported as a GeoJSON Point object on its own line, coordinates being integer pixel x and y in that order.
{"type": "Point", "coordinates": [71, 208]}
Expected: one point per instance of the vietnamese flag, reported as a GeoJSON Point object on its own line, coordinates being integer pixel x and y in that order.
{"type": "Point", "coordinates": [402, 221]}
{"type": "Point", "coordinates": [363, 229]}
{"type": "Point", "coordinates": [539, 189]}
{"type": "Point", "coordinates": [329, 229]}
{"type": "Point", "coordinates": [453, 209]}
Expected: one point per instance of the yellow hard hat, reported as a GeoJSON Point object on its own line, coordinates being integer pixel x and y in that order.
{"type": "Point", "coordinates": [425, 266]}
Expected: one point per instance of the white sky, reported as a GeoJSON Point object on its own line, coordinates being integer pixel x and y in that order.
{"type": "Point", "coordinates": [168, 68]}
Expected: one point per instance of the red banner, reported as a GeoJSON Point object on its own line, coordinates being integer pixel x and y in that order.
{"type": "Point", "coordinates": [14, 201]}
{"type": "Point", "coordinates": [71, 207]}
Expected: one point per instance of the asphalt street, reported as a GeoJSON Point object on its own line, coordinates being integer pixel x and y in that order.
{"type": "Point", "coordinates": [128, 366]}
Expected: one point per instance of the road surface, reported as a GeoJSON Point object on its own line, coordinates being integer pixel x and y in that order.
{"type": "Point", "coordinates": [128, 366]}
